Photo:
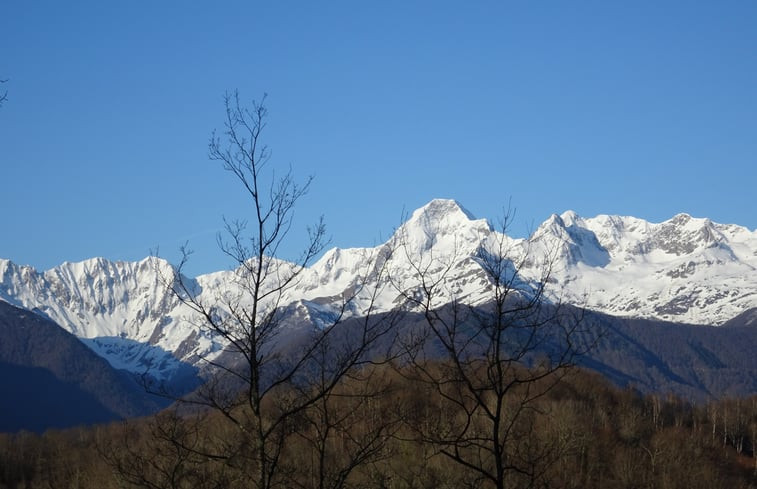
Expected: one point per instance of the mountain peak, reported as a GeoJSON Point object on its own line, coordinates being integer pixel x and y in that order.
{"type": "Point", "coordinates": [443, 216]}
{"type": "Point", "coordinates": [553, 226]}
{"type": "Point", "coordinates": [443, 224]}
{"type": "Point", "coordinates": [444, 208]}
{"type": "Point", "coordinates": [570, 218]}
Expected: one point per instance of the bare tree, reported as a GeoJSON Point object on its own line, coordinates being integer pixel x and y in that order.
{"type": "Point", "coordinates": [489, 363]}
{"type": "Point", "coordinates": [164, 452]}
{"type": "Point", "coordinates": [263, 386]}
{"type": "Point", "coordinates": [345, 430]}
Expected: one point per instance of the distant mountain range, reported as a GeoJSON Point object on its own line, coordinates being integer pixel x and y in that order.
{"type": "Point", "coordinates": [684, 270]}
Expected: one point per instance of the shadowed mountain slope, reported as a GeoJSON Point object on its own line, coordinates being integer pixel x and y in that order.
{"type": "Point", "coordinates": [50, 379]}
{"type": "Point", "coordinates": [697, 362]}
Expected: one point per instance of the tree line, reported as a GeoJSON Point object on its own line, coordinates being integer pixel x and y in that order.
{"type": "Point", "coordinates": [585, 433]}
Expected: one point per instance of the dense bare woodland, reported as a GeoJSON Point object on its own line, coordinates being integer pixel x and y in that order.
{"type": "Point", "coordinates": [584, 433]}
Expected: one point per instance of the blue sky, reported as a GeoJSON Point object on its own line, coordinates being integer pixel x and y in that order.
{"type": "Point", "coordinates": [642, 108]}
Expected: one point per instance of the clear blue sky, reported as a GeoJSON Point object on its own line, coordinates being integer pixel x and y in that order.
{"type": "Point", "coordinates": [644, 108]}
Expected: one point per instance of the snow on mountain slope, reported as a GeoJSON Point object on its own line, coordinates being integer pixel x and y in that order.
{"type": "Point", "coordinates": [120, 309]}
{"type": "Point", "coordinates": [685, 269]}
{"type": "Point", "coordinates": [439, 239]}
{"type": "Point", "coordinates": [440, 235]}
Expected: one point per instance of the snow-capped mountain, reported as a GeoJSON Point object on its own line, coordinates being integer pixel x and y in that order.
{"type": "Point", "coordinates": [121, 310]}
{"type": "Point", "coordinates": [684, 269]}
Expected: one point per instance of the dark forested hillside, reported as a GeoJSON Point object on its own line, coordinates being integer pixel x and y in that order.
{"type": "Point", "coordinates": [50, 379]}
{"type": "Point", "coordinates": [35, 399]}
{"type": "Point", "coordinates": [697, 362]}
{"type": "Point", "coordinates": [53, 380]}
